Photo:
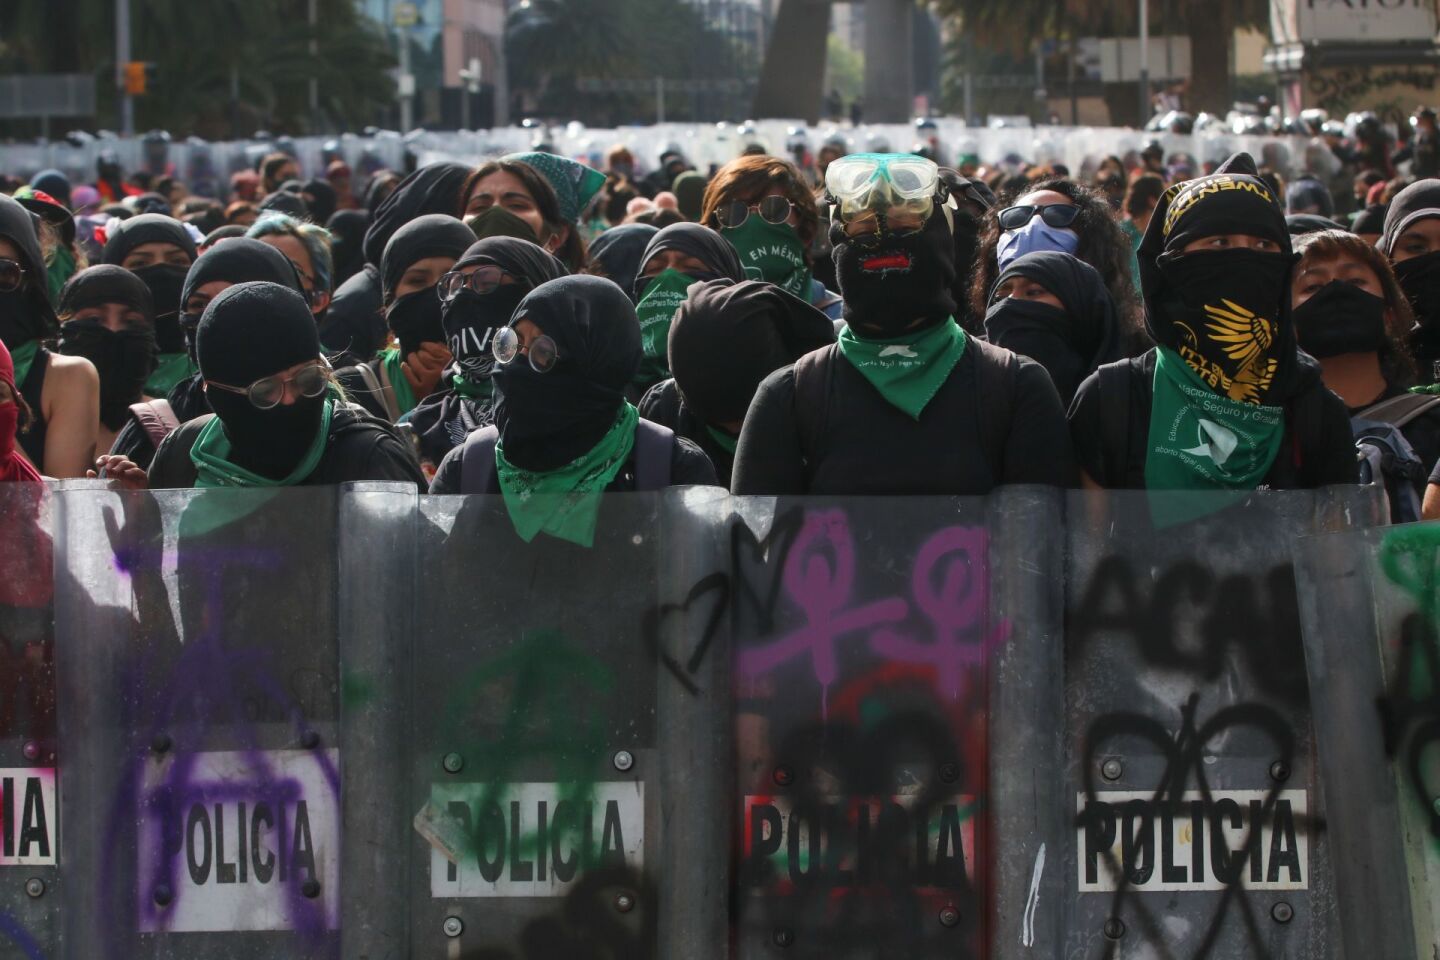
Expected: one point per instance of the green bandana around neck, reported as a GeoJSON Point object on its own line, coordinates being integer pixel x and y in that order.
{"type": "Point", "coordinates": [1203, 440]}
{"type": "Point", "coordinates": [60, 269]}
{"type": "Point", "coordinates": [472, 390]}
{"type": "Point", "coordinates": [170, 369]}
{"type": "Point", "coordinates": [23, 357]}
{"type": "Point", "coordinates": [723, 439]}
{"type": "Point", "coordinates": [404, 397]}
{"type": "Point", "coordinates": [908, 371]}
{"type": "Point", "coordinates": [656, 311]}
{"type": "Point", "coordinates": [565, 502]}
{"type": "Point", "coordinates": [771, 252]}
{"type": "Point", "coordinates": [211, 456]}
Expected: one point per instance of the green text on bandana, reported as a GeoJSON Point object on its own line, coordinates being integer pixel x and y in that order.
{"type": "Point", "coordinates": [170, 370]}
{"type": "Point", "coordinates": [211, 456]}
{"type": "Point", "coordinates": [404, 396]}
{"type": "Point", "coordinates": [771, 252]}
{"type": "Point", "coordinates": [656, 311]}
{"type": "Point", "coordinates": [1202, 440]}
{"type": "Point", "coordinates": [909, 370]}
{"type": "Point", "coordinates": [565, 502]}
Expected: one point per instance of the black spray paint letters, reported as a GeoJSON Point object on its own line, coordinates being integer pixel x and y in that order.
{"type": "Point", "coordinates": [27, 817]}
{"type": "Point", "coordinates": [248, 843]}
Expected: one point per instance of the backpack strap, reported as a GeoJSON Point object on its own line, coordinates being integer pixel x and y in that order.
{"type": "Point", "coordinates": [1115, 421]}
{"type": "Point", "coordinates": [156, 417]}
{"type": "Point", "coordinates": [996, 371]}
{"type": "Point", "coordinates": [477, 462]}
{"type": "Point", "coordinates": [654, 453]}
{"type": "Point", "coordinates": [813, 372]}
{"type": "Point", "coordinates": [1399, 411]}
{"type": "Point", "coordinates": [383, 390]}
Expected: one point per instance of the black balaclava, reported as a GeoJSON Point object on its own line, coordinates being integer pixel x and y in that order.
{"type": "Point", "coordinates": [1340, 318]}
{"type": "Point", "coordinates": [1225, 312]}
{"type": "Point", "coordinates": [471, 319]}
{"type": "Point", "coordinates": [546, 420]}
{"type": "Point", "coordinates": [165, 280]}
{"type": "Point", "coordinates": [123, 358]}
{"type": "Point", "coordinates": [25, 314]}
{"type": "Point", "coordinates": [416, 317]}
{"type": "Point", "coordinates": [250, 331]}
{"type": "Point", "coordinates": [1370, 220]}
{"type": "Point", "coordinates": [618, 250]}
{"type": "Point", "coordinates": [966, 227]}
{"type": "Point", "coordinates": [702, 243]}
{"type": "Point", "coordinates": [1418, 276]}
{"type": "Point", "coordinates": [238, 260]}
{"type": "Point", "coordinates": [283, 201]}
{"type": "Point", "coordinates": [347, 234]}
{"type": "Point", "coordinates": [890, 280]}
{"type": "Point", "coordinates": [432, 189]}
{"type": "Point", "coordinates": [728, 336]}
{"type": "Point", "coordinates": [355, 321]}
{"type": "Point", "coordinates": [320, 198]}
{"type": "Point", "coordinates": [1069, 342]}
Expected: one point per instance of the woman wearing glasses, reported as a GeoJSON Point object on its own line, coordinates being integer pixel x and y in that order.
{"type": "Point", "coordinates": [62, 393]}
{"type": "Point", "coordinates": [278, 420]}
{"type": "Point", "coordinates": [564, 432]}
{"type": "Point", "coordinates": [478, 297]}
{"type": "Point", "coordinates": [767, 211]}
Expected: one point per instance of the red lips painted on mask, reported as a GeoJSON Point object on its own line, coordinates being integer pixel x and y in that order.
{"type": "Point", "coordinates": [885, 261]}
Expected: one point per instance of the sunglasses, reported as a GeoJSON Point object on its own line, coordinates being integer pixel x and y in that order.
{"type": "Point", "coordinates": [267, 392]}
{"type": "Point", "coordinates": [773, 210]}
{"type": "Point", "coordinates": [541, 352]}
{"type": "Point", "coordinates": [485, 279]}
{"type": "Point", "coordinates": [11, 276]}
{"type": "Point", "coordinates": [1054, 214]}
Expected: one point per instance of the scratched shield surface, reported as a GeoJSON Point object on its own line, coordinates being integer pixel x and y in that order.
{"type": "Point", "coordinates": [557, 701]}
{"type": "Point", "coordinates": [1370, 605]}
{"type": "Point", "coordinates": [864, 635]}
{"type": "Point", "coordinates": [1199, 824]}
{"type": "Point", "coordinates": [198, 717]}
{"type": "Point", "coordinates": [30, 900]}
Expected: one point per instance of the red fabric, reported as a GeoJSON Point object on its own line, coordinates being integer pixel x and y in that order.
{"type": "Point", "coordinates": [13, 467]}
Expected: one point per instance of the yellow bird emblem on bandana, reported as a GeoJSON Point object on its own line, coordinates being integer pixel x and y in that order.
{"type": "Point", "coordinates": [1246, 338]}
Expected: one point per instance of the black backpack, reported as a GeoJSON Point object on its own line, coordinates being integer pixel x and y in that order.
{"type": "Point", "coordinates": [1386, 457]}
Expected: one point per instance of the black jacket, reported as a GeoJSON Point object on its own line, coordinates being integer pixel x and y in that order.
{"type": "Point", "coordinates": [662, 404]}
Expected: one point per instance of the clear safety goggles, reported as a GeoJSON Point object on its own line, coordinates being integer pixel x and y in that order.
{"type": "Point", "coordinates": [900, 187]}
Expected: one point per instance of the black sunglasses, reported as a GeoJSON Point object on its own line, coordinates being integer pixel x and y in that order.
{"type": "Point", "coordinates": [12, 275]}
{"type": "Point", "coordinates": [773, 210]}
{"type": "Point", "coordinates": [1054, 214]}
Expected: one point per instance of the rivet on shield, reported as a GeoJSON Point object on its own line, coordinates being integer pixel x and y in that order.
{"type": "Point", "coordinates": [624, 902]}
{"type": "Point", "coordinates": [452, 762]}
{"type": "Point", "coordinates": [783, 937]}
{"type": "Point", "coordinates": [453, 927]}
{"type": "Point", "coordinates": [949, 915]}
{"type": "Point", "coordinates": [1114, 928]}
{"type": "Point", "coordinates": [624, 760]}
{"type": "Point", "coordinates": [35, 887]}
{"type": "Point", "coordinates": [1279, 771]}
{"type": "Point", "coordinates": [310, 888]}
{"type": "Point", "coordinates": [1112, 769]}
{"type": "Point", "coordinates": [163, 894]}
{"type": "Point", "coordinates": [160, 743]}
{"type": "Point", "coordinates": [310, 739]}
{"type": "Point", "coordinates": [1282, 912]}
{"type": "Point", "coordinates": [31, 750]}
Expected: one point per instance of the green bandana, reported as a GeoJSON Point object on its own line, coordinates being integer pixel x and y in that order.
{"type": "Point", "coordinates": [771, 252]}
{"type": "Point", "coordinates": [726, 442]}
{"type": "Point", "coordinates": [60, 269]}
{"type": "Point", "coordinates": [565, 502]}
{"type": "Point", "coordinates": [1202, 440]}
{"type": "Point", "coordinates": [908, 370]}
{"type": "Point", "coordinates": [656, 311]}
{"type": "Point", "coordinates": [474, 391]}
{"type": "Point", "coordinates": [211, 456]}
{"type": "Point", "coordinates": [23, 357]}
{"type": "Point", "coordinates": [170, 369]}
{"type": "Point", "coordinates": [404, 397]}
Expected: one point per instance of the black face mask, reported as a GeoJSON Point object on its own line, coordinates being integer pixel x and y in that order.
{"type": "Point", "coordinates": [416, 318]}
{"type": "Point", "coordinates": [1420, 279]}
{"type": "Point", "coordinates": [890, 280]}
{"type": "Point", "coordinates": [18, 324]}
{"type": "Point", "coordinates": [166, 281]}
{"type": "Point", "coordinates": [123, 358]}
{"type": "Point", "coordinates": [1041, 332]}
{"type": "Point", "coordinates": [471, 320]}
{"type": "Point", "coordinates": [1340, 318]}
{"type": "Point", "coordinates": [269, 442]}
{"type": "Point", "coordinates": [1223, 314]}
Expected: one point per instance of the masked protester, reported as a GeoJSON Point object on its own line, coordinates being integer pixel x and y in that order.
{"type": "Point", "coordinates": [764, 207]}
{"type": "Point", "coordinates": [56, 229]}
{"type": "Point", "coordinates": [159, 250]}
{"type": "Point", "coordinates": [1225, 401]}
{"type": "Point", "coordinates": [676, 257]}
{"type": "Point", "coordinates": [726, 338]}
{"type": "Point", "coordinates": [278, 421]}
{"type": "Point", "coordinates": [347, 235]}
{"type": "Point", "coordinates": [905, 402]}
{"type": "Point", "coordinates": [564, 432]}
{"type": "Point", "coordinates": [108, 317]}
{"type": "Point", "coordinates": [1055, 310]}
{"type": "Point", "coordinates": [616, 253]}
{"type": "Point", "coordinates": [353, 328]}
{"type": "Point", "coordinates": [539, 201]}
{"type": "Point", "coordinates": [62, 393]}
{"type": "Point", "coordinates": [1412, 241]}
{"type": "Point", "coordinates": [479, 295]}
{"type": "Point", "coordinates": [238, 260]}
{"type": "Point", "coordinates": [320, 198]}
{"type": "Point", "coordinates": [14, 417]}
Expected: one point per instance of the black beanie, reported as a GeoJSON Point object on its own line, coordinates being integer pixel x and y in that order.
{"type": "Point", "coordinates": [254, 330]}
{"type": "Point", "coordinates": [146, 228]}
{"type": "Point", "coordinates": [433, 235]}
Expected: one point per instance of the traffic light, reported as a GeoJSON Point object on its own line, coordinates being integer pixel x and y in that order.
{"type": "Point", "coordinates": [138, 76]}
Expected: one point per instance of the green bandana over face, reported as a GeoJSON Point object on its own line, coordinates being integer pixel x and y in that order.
{"type": "Point", "coordinates": [404, 396]}
{"type": "Point", "coordinates": [169, 370]}
{"type": "Point", "coordinates": [1203, 440]}
{"type": "Point", "coordinates": [908, 370]}
{"type": "Point", "coordinates": [211, 456]}
{"type": "Point", "coordinates": [771, 252]}
{"type": "Point", "coordinates": [474, 391]}
{"type": "Point", "coordinates": [565, 502]}
{"type": "Point", "coordinates": [23, 357]}
{"type": "Point", "coordinates": [656, 311]}
{"type": "Point", "coordinates": [60, 269]}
